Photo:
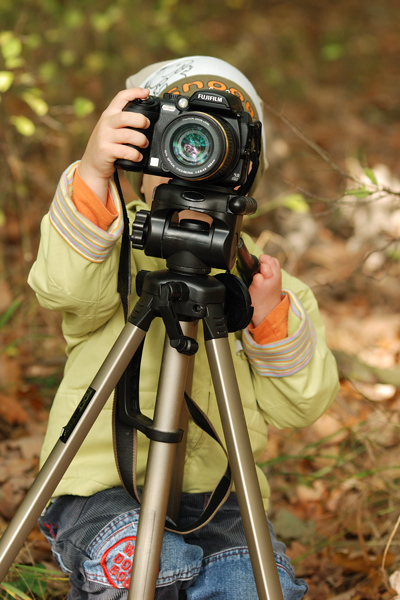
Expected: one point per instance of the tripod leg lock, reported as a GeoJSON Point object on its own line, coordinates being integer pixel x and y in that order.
{"type": "Point", "coordinates": [175, 291]}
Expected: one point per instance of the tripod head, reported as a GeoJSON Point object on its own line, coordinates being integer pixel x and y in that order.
{"type": "Point", "coordinates": [191, 245]}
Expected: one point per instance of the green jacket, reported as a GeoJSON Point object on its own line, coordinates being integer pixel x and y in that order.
{"type": "Point", "coordinates": [284, 384]}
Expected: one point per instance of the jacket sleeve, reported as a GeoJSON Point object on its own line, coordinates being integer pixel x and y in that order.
{"type": "Point", "coordinates": [295, 379]}
{"type": "Point", "coordinates": [76, 268]}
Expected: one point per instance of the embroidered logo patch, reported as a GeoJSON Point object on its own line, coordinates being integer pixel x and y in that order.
{"type": "Point", "coordinates": [117, 562]}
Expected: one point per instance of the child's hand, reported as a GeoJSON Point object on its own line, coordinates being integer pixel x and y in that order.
{"type": "Point", "coordinates": [266, 288]}
{"type": "Point", "coordinates": [108, 141]}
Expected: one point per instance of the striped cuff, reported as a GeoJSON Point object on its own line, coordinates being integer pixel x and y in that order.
{"type": "Point", "coordinates": [284, 357]}
{"type": "Point", "coordinates": [80, 233]}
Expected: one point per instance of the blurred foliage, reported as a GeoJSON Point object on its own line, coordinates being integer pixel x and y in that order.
{"type": "Point", "coordinates": [61, 62]}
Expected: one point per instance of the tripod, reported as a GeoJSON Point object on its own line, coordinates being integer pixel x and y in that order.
{"type": "Point", "coordinates": [181, 295]}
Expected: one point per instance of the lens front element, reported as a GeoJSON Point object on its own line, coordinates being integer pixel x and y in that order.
{"type": "Point", "coordinates": [191, 145]}
{"type": "Point", "coordinates": [198, 146]}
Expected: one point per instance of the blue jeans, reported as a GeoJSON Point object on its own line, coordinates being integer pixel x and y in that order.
{"type": "Point", "coordinates": [93, 540]}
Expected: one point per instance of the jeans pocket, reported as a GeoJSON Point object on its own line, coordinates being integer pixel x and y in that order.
{"type": "Point", "coordinates": [110, 555]}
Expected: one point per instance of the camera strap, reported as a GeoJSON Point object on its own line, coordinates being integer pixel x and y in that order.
{"type": "Point", "coordinates": [126, 449]}
{"type": "Point", "coordinates": [254, 158]}
{"type": "Point", "coordinates": [124, 268]}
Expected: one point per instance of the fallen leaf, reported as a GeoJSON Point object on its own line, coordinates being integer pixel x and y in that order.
{"type": "Point", "coordinates": [394, 581]}
{"type": "Point", "coordinates": [11, 411]}
{"type": "Point", "coordinates": [289, 527]}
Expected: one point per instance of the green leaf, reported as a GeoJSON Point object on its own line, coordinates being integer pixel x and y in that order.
{"type": "Point", "coordinates": [48, 71]}
{"type": "Point", "coordinates": [14, 63]}
{"type": "Point", "coordinates": [4, 36]}
{"type": "Point", "coordinates": [371, 175]}
{"type": "Point", "coordinates": [8, 313]}
{"type": "Point", "coordinates": [290, 527]}
{"type": "Point", "coordinates": [14, 592]}
{"type": "Point", "coordinates": [23, 125]}
{"type": "Point", "coordinates": [332, 51]}
{"type": "Point", "coordinates": [11, 46]}
{"type": "Point", "coordinates": [361, 192]}
{"type": "Point", "coordinates": [104, 21]}
{"type": "Point", "coordinates": [101, 22]}
{"type": "Point", "coordinates": [176, 42]}
{"type": "Point", "coordinates": [67, 57]}
{"type": "Point", "coordinates": [6, 80]}
{"type": "Point", "coordinates": [33, 41]}
{"type": "Point", "coordinates": [394, 254]}
{"type": "Point", "coordinates": [96, 61]}
{"type": "Point", "coordinates": [296, 203]}
{"type": "Point", "coordinates": [83, 107]}
{"type": "Point", "coordinates": [74, 18]}
{"type": "Point", "coordinates": [37, 104]}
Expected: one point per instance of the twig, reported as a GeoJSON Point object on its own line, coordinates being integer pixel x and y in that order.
{"type": "Point", "coordinates": [387, 585]}
{"type": "Point", "coordinates": [359, 532]}
{"type": "Point", "coordinates": [324, 155]}
{"type": "Point", "coordinates": [311, 143]}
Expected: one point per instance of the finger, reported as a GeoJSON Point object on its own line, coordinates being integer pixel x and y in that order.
{"type": "Point", "coordinates": [266, 258]}
{"type": "Point", "coordinates": [127, 153]}
{"type": "Point", "coordinates": [131, 119]}
{"type": "Point", "coordinates": [271, 261]}
{"type": "Point", "coordinates": [112, 151]}
{"type": "Point", "coordinates": [266, 270]}
{"type": "Point", "coordinates": [257, 281]}
{"type": "Point", "coordinates": [124, 118]}
{"type": "Point", "coordinates": [125, 96]}
{"type": "Point", "coordinates": [129, 136]}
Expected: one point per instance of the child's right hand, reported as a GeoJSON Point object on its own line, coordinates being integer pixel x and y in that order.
{"type": "Point", "coordinates": [108, 141]}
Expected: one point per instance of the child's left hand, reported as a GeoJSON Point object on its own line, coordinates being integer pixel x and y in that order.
{"type": "Point", "coordinates": [266, 288]}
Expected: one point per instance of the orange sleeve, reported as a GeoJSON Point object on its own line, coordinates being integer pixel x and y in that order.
{"type": "Point", "coordinates": [275, 325]}
{"type": "Point", "coordinates": [89, 205]}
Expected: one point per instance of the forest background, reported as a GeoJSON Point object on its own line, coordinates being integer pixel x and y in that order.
{"type": "Point", "coordinates": [329, 209]}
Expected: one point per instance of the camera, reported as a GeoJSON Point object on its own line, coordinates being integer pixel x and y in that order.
{"type": "Point", "coordinates": [206, 138]}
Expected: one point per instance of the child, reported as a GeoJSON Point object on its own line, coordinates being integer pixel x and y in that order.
{"type": "Point", "coordinates": [287, 376]}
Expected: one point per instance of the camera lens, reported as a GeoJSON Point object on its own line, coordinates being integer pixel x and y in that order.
{"type": "Point", "coordinates": [191, 145]}
{"type": "Point", "coordinates": [198, 147]}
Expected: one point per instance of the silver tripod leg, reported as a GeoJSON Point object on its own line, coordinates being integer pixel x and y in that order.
{"type": "Point", "coordinates": [160, 464]}
{"type": "Point", "coordinates": [65, 449]}
{"type": "Point", "coordinates": [159, 470]}
{"type": "Point", "coordinates": [243, 470]}
{"type": "Point", "coordinates": [175, 495]}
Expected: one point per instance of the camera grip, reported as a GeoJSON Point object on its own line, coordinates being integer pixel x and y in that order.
{"type": "Point", "coordinates": [150, 108]}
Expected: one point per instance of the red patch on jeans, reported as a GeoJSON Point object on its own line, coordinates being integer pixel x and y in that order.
{"type": "Point", "coordinates": [117, 562]}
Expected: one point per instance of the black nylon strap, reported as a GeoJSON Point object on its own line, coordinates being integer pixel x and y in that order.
{"type": "Point", "coordinates": [254, 158]}
{"type": "Point", "coordinates": [125, 436]}
{"type": "Point", "coordinates": [124, 269]}
{"type": "Point", "coordinates": [125, 448]}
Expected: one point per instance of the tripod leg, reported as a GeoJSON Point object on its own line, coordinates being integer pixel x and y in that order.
{"type": "Point", "coordinates": [175, 495]}
{"type": "Point", "coordinates": [65, 449]}
{"type": "Point", "coordinates": [243, 469]}
{"type": "Point", "coordinates": [160, 463]}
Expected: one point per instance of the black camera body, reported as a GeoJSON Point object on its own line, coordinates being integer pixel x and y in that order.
{"type": "Point", "coordinates": [207, 138]}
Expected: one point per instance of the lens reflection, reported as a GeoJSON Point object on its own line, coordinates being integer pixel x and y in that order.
{"type": "Point", "coordinates": [192, 145]}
